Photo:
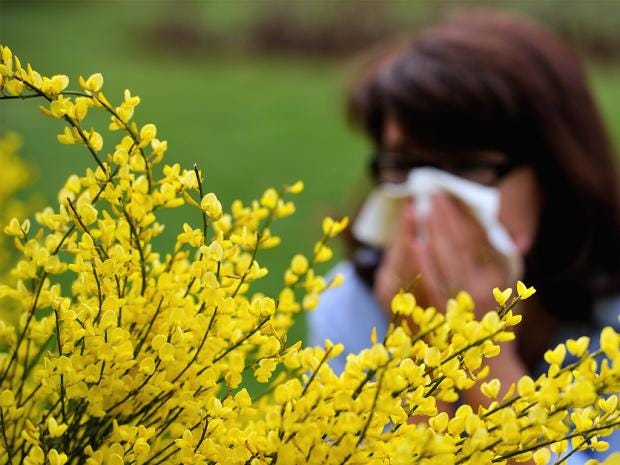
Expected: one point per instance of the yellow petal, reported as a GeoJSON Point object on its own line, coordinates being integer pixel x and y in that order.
{"type": "Point", "coordinates": [542, 456]}
{"type": "Point", "coordinates": [502, 296]}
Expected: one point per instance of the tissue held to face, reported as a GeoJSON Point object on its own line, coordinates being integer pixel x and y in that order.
{"type": "Point", "coordinates": [455, 253]}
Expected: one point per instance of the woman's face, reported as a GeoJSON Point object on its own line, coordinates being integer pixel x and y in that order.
{"type": "Point", "coordinates": [520, 195]}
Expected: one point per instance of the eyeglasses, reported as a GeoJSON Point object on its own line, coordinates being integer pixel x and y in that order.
{"type": "Point", "coordinates": [487, 168]}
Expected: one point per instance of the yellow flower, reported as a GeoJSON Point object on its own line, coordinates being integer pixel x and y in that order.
{"type": "Point", "coordinates": [54, 428]}
{"type": "Point", "coordinates": [322, 253]}
{"type": "Point", "coordinates": [55, 85]}
{"type": "Point", "coordinates": [264, 370]}
{"type": "Point", "coordinates": [295, 188]}
{"type": "Point", "coordinates": [578, 347]}
{"type": "Point", "coordinates": [55, 458]}
{"type": "Point", "coordinates": [610, 342]}
{"type": "Point", "coordinates": [337, 280]}
{"type": "Point", "coordinates": [141, 448]}
{"type": "Point", "coordinates": [147, 365]}
{"type": "Point", "coordinates": [166, 352]}
{"type": "Point", "coordinates": [13, 228]}
{"type": "Point", "coordinates": [94, 83]}
{"type": "Point", "coordinates": [332, 228]}
{"type": "Point", "coordinates": [67, 137]}
{"type": "Point", "coordinates": [310, 301]}
{"type": "Point", "coordinates": [403, 303]}
{"type": "Point", "coordinates": [211, 206]}
{"type": "Point", "coordinates": [439, 422]}
{"type": "Point", "coordinates": [432, 357]}
{"type": "Point", "coordinates": [501, 297]}
{"type": "Point", "coordinates": [556, 356]}
{"type": "Point", "coordinates": [269, 199]}
{"type": "Point", "coordinates": [14, 87]}
{"type": "Point", "coordinates": [299, 264]}
{"type": "Point", "coordinates": [143, 352]}
{"type": "Point", "coordinates": [147, 134]}
{"type": "Point", "coordinates": [542, 456]}
{"type": "Point", "coordinates": [95, 140]}
{"type": "Point", "coordinates": [7, 399]}
{"type": "Point", "coordinates": [88, 213]}
{"type": "Point", "coordinates": [609, 405]}
{"type": "Point", "coordinates": [116, 459]}
{"type": "Point", "coordinates": [526, 386]}
{"type": "Point", "coordinates": [491, 388]}
{"type": "Point", "coordinates": [599, 446]}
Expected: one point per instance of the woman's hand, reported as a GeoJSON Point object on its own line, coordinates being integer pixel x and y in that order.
{"type": "Point", "coordinates": [438, 256]}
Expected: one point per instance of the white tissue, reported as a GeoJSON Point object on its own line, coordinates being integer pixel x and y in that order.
{"type": "Point", "coordinates": [379, 213]}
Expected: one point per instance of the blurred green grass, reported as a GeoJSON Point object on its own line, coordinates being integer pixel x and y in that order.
{"type": "Point", "coordinates": [248, 121]}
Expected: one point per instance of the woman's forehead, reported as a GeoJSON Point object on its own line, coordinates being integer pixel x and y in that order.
{"type": "Point", "coordinates": [417, 153]}
{"type": "Point", "coordinates": [397, 142]}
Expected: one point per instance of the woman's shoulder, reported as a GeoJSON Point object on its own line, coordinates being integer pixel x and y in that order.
{"type": "Point", "coordinates": [606, 311]}
{"type": "Point", "coordinates": [352, 289]}
{"type": "Point", "coordinates": [346, 314]}
{"type": "Point", "coordinates": [350, 304]}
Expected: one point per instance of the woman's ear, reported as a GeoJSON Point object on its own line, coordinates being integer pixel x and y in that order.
{"type": "Point", "coordinates": [523, 242]}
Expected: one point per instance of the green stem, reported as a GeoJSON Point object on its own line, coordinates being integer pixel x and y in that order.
{"type": "Point", "coordinates": [136, 237]}
{"type": "Point", "coordinates": [100, 251]}
{"type": "Point", "coordinates": [198, 349]}
{"type": "Point", "coordinates": [316, 372]}
{"type": "Point", "coordinates": [20, 339]}
{"type": "Point", "coordinates": [135, 139]}
{"type": "Point", "coordinates": [370, 416]}
{"type": "Point", "coordinates": [21, 97]}
{"type": "Point", "coordinates": [238, 343]}
{"type": "Point", "coordinates": [245, 274]}
{"type": "Point", "coordinates": [148, 329]}
{"type": "Point", "coordinates": [575, 449]}
{"type": "Point", "coordinates": [62, 384]}
{"type": "Point", "coordinates": [68, 120]}
{"type": "Point", "coordinates": [8, 448]}
{"type": "Point", "coordinates": [204, 215]}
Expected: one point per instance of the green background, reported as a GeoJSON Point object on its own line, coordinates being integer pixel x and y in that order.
{"type": "Point", "coordinates": [249, 118]}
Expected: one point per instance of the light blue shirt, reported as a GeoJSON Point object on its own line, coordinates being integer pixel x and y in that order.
{"type": "Point", "coordinates": [348, 314]}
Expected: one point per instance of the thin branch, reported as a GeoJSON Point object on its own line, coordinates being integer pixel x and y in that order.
{"type": "Point", "coordinates": [204, 214]}
{"type": "Point", "coordinates": [136, 237]}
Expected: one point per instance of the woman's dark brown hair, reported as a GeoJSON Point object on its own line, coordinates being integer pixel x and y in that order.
{"type": "Point", "coordinates": [494, 81]}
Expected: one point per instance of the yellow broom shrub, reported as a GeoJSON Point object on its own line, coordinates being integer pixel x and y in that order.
{"type": "Point", "coordinates": [142, 360]}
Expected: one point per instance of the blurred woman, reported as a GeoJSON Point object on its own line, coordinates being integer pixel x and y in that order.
{"type": "Point", "coordinates": [499, 101]}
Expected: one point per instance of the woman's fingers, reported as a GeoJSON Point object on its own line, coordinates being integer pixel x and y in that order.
{"type": "Point", "coordinates": [448, 264]}
{"type": "Point", "coordinates": [395, 268]}
{"type": "Point", "coordinates": [407, 264]}
{"type": "Point", "coordinates": [408, 225]}
{"type": "Point", "coordinates": [437, 256]}
{"type": "Point", "coordinates": [479, 267]}
{"type": "Point", "coordinates": [451, 243]}
{"type": "Point", "coordinates": [466, 231]}
{"type": "Point", "coordinates": [427, 286]}
{"type": "Point", "coordinates": [461, 250]}
{"type": "Point", "coordinates": [483, 258]}
{"type": "Point", "coordinates": [423, 273]}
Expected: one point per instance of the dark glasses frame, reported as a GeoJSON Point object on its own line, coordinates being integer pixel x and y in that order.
{"type": "Point", "coordinates": [387, 160]}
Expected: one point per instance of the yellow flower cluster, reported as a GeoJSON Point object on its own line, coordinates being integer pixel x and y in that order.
{"type": "Point", "coordinates": [143, 359]}
{"type": "Point", "coordinates": [15, 175]}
